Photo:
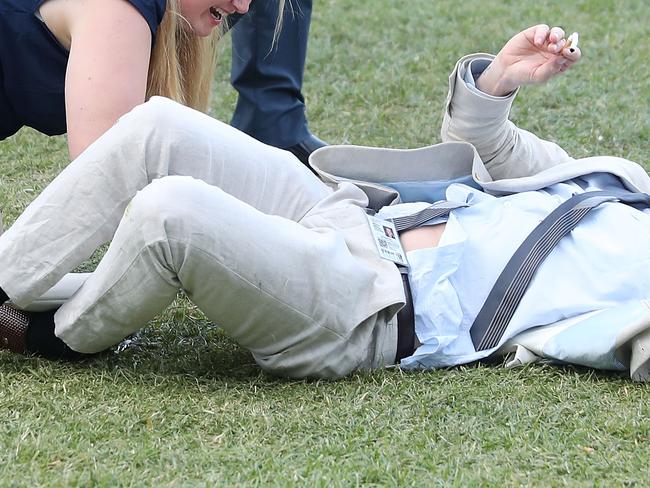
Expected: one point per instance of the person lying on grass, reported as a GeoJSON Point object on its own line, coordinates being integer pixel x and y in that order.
{"type": "Point", "coordinates": [287, 264]}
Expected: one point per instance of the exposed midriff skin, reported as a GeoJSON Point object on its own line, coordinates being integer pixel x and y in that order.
{"type": "Point", "coordinates": [421, 237]}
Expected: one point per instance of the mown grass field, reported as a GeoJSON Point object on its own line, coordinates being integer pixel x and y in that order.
{"type": "Point", "coordinates": [184, 406]}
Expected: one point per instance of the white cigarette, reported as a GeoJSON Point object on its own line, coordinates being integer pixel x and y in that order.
{"type": "Point", "coordinates": [572, 41]}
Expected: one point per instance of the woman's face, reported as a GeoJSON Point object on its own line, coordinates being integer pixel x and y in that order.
{"type": "Point", "coordinates": [204, 15]}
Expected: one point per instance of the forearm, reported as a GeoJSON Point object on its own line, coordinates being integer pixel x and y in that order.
{"type": "Point", "coordinates": [482, 120]}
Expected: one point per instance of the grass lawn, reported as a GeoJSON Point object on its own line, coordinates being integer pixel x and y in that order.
{"type": "Point", "coordinates": [184, 406]}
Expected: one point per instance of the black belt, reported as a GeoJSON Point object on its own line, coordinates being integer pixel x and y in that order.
{"type": "Point", "coordinates": [405, 322]}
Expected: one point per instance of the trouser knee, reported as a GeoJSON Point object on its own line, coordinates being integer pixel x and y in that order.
{"type": "Point", "coordinates": [159, 115]}
{"type": "Point", "coordinates": [164, 209]}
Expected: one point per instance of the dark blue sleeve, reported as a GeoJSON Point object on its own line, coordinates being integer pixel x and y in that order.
{"type": "Point", "coordinates": [152, 11]}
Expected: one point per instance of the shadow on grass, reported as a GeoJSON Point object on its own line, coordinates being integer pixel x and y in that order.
{"type": "Point", "coordinates": [183, 344]}
{"type": "Point", "coordinates": [201, 352]}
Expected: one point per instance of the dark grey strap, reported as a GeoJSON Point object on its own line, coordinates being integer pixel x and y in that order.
{"type": "Point", "coordinates": [504, 298]}
{"type": "Point", "coordinates": [438, 209]}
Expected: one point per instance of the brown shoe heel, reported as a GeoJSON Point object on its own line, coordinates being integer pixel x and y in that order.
{"type": "Point", "coordinates": [13, 329]}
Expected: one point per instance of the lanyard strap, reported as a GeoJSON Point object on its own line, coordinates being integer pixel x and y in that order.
{"type": "Point", "coordinates": [507, 292]}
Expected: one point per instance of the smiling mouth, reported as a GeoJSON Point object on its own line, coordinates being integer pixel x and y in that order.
{"type": "Point", "coordinates": [216, 14]}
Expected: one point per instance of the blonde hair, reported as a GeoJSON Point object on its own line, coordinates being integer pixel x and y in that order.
{"type": "Point", "coordinates": [182, 63]}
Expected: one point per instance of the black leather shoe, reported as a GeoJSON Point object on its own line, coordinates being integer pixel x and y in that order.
{"type": "Point", "coordinates": [33, 333]}
{"type": "Point", "coordinates": [304, 148]}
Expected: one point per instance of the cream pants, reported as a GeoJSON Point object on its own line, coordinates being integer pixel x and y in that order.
{"type": "Point", "coordinates": [190, 203]}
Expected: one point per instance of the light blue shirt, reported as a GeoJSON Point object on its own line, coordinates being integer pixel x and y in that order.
{"type": "Point", "coordinates": [602, 263]}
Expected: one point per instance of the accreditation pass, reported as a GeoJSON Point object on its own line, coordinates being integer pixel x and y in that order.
{"type": "Point", "coordinates": [387, 240]}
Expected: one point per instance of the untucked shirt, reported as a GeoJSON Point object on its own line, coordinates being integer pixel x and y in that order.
{"type": "Point", "coordinates": [602, 263]}
{"type": "Point", "coordinates": [33, 65]}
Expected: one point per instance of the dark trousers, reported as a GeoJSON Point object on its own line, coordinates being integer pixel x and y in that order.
{"type": "Point", "coordinates": [268, 78]}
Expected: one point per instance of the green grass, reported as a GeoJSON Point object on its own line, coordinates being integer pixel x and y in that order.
{"type": "Point", "coordinates": [184, 406]}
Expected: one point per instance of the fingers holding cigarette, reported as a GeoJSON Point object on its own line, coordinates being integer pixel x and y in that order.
{"type": "Point", "coordinates": [572, 43]}
{"type": "Point", "coordinates": [570, 51]}
{"type": "Point", "coordinates": [553, 39]}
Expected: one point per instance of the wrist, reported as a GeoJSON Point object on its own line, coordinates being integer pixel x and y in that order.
{"type": "Point", "coordinates": [493, 80]}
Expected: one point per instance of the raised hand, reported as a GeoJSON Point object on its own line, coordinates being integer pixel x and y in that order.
{"type": "Point", "coordinates": [533, 56]}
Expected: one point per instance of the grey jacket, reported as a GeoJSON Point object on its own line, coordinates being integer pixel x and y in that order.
{"type": "Point", "coordinates": [479, 140]}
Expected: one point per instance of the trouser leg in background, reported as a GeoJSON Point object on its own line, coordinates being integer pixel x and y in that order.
{"type": "Point", "coordinates": [287, 291]}
{"type": "Point", "coordinates": [59, 293]}
{"type": "Point", "coordinates": [82, 207]}
{"type": "Point", "coordinates": [269, 77]}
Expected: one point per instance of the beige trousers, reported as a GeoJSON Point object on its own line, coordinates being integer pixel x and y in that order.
{"type": "Point", "coordinates": [280, 261]}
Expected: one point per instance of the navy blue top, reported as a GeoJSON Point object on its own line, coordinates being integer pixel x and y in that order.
{"type": "Point", "coordinates": [33, 65]}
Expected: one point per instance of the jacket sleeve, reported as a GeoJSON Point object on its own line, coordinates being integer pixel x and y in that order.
{"type": "Point", "coordinates": [482, 120]}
